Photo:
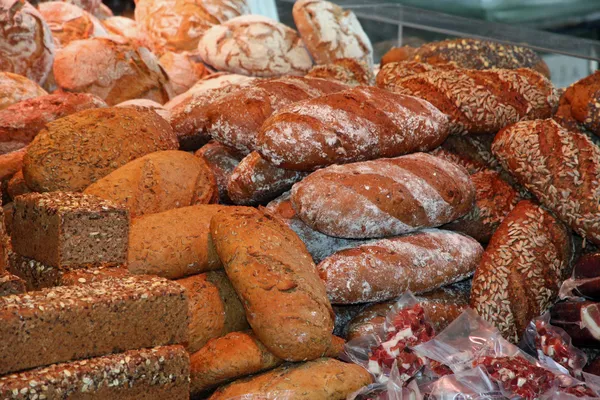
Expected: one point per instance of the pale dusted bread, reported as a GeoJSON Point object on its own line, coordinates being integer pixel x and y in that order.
{"type": "Point", "coordinates": [255, 45]}
{"type": "Point", "coordinates": [385, 269]}
{"type": "Point", "coordinates": [346, 70]}
{"type": "Point", "coordinates": [357, 124]}
{"type": "Point", "coordinates": [221, 161]}
{"type": "Point", "coordinates": [26, 45]}
{"type": "Point", "coordinates": [383, 197]}
{"type": "Point", "coordinates": [68, 22]}
{"type": "Point", "coordinates": [113, 69]}
{"type": "Point", "coordinates": [123, 26]}
{"type": "Point", "coordinates": [184, 70]}
{"type": "Point", "coordinates": [15, 88]}
{"type": "Point", "coordinates": [147, 104]}
{"type": "Point", "coordinates": [330, 32]}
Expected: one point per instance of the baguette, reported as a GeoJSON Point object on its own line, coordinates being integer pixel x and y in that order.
{"type": "Point", "coordinates": [358, 124]}
{"type": "Point", "coordinates": [222, 161]}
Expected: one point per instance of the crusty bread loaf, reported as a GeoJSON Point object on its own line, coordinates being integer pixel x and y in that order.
{"type": "Point", "coordinates": [274, 276]}
{"type": "Point", "coordinates": [158, 182]}
{"type": "Point", "coordinates": [122, 26]}
{"type": "Point", "coordinates": [559, 167]}
{"type": "Point", "coordinates": [215, 309]}
{"type": "Point", "coordinates": [393, 72]}
{"type": "Point", "coordinates": [102, 12]}
{"type": "Point", "coordinates": [330, 32]}
{"type": "Point", "coordinates": [147, 104]}
{"type": "Point", "coordinates": [75, 151]}
{"type": "Point", "coordinates": [579, 105]}
{"type": "Point", "coordinates": [15, 88]}
{"type": "Point", "coordinates": [522, 269]}
{"type": "Point", "coordinates": [26, 45]}
{"type": "Point", "coordinates": [11, 163]}
{"type": "Point", "coordinates": [256, 181]}
{"type": "Point", "coordinates": [235, 119]}
{"type": "Point", "coordinates": [17, 186]}
{"type": "Point", "coordinates": [349, 71]}
{"type": "Point", "coordinates": [254, 45]}
{"type": "Point", "coordinates": [184, 70]}
{"type": "Point", "coordinates": [358, 124]}
{"type": "Point", "coordinates": [322, 379]}
{"type": "Point", "coordinates": [222, 161]}
{"type": "Point", "coordinates": [383, 197]}
{"type": "Point", "coordinates": [479, 102]}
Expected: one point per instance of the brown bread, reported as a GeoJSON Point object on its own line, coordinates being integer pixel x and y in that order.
{"type": "Point", "coordinates": [358, 124]}
{"type": "Point", "coordinates": [11, 163]}
{"type": "Point", "coordinates": [522, 269]}
{"type": "Point", "coordinates": [222, 161]}
{"type": "Point", "coordinates": [579, 105]}
{"type": "Point", "coordinates": [158, 182]}
{"type": "Point", "coordinates": [11, 284]}
{"type": "Point", "coordinates": [215, 309]}
{"type": "Point", "coordinates": [393, 72]}
{"type": "Point", "coordinates": [561, 168]}
{"type": "Point", "coordinates": [274, 276]}
{"type": "Point", "coordinates": [383, 197]}
{"type": "Point", "coordinates": [349, 71]}
{"type": "Point", "coordinates": [15, 88]}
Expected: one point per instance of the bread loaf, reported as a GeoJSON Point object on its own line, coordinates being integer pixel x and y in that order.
{"type": "Point", "coordinates": [522, 269]}
{"type": "Point", "coordinates": [330, 32]}
{"type": "Point", "coordinates": [383, 197]}
{"type": "Point", "coordinates": [479, 102]}
{"type": "Point", "coordinates": [17, 186]}
{"type": "Point", "coordinates": [184, 70]}
{"type": "Point", "coordinates": [68, 22]}
{"type": "Point", "coordinates": [349, 71]}
{"type": "Point", "coordinates": [254, 181]}
{"type": "Point", "coordinates": [235, 119]}
{"type": "Point", "coordinates": [73, 152]}
{"type": "Point", "coordinates": [391, 73]}
{"type": "Point", "coordinates": [215, 309]}
{"type": "Point", "coordinates": [221, 161]}
{"type": "Point", "coordinates": [123, 26]}
{"type": "Point", "coordinates": [274, 276]}
{"type": "Point", "coordinates": [579, 105]}
{"type": "Point", "coordinates": [322, 379]}
{"type": "Point", "coordinates": [358, 124]}
{"type": "Point", "coordinates": [15, 88]}
{"type": "Point", "coordinates": [559, 167]}
{"type": "Point", "coordinates": [11, 163]}
{"type": "Point", "coordinates": [147, 104]}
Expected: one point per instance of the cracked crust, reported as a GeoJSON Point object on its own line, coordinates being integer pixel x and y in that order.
{"type": "Point", "coordinates": [68, 22]}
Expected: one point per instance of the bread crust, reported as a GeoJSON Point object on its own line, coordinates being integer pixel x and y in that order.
{"type": "Point", "coordinates": [68, 22]}
{"type": "Point", "coordinates": [349, 71]}
{"type": "Point", "coordinates": [578, 105]}
{"type": "Point", "coordinates": [222, 161]}
{"type": "Point", "coordinates": [15, 88]}
{"type": "Point", "coordinates": [184, 70]}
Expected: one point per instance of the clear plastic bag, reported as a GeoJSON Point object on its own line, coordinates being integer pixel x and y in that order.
{"type": "Point", "coordinates": [277, 395]}
{"type": "Point", "coordinates": [393, 389]}
{"type": "Point", "coordinates": [473, 383]}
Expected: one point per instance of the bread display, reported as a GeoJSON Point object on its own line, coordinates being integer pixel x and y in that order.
{"type": "Point", "coordinates": [358, 124]}
{"type": "Point", "coordinates": [579, 105]}
{"type": "Point", "coordinates": [15, 88]}
{"type": "Point", "coordinates": [222, 161]}
{"type": "Point", "coordinates": [383, 197]}
{"type": "Point", "coordinates": [349, 71]}
{"type": "Point", "coordinates": [330, 32]}
{"type": "Point", "coordinates": [184, 70]}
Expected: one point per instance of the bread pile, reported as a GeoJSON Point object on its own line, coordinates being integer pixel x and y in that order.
{"type": "Point", "coordinates": [171, 231]}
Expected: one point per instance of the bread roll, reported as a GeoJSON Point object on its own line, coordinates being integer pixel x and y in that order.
{"type": "Point", "coordinates": [68, 22]}
{"type": "Point", "coordinates": [221, 161]}
{"type": "Point", "coordinates": [522, 269]}
{"type": "Point", "coordinates": [15, 88]}
{"type": "Point", "coordinates": [579, 105]}
{"type": "Point", "coordinates": [147, 104]}
{"type": "Point", "coordinates": [123, 26]}
{"type": "Point", "coordinates": [26, 45]}
{"type": "Point", "coordinates": [274, 276]}
{"type": "Point", "coordinates": [184, 70]}
{"type": "Point", "coordinates": [358, 124]}
{"type": "Point", "coordinates": [73, 152]}
{"type": "Point", "coordinates": [349, 71]}
{"type": "Point", "coordinates": [254, 45]}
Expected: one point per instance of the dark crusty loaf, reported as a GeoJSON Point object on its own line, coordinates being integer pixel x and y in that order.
{"type": "Point", "coordinates": [479, 102]}
{"type": "Point", "coordinates": [157, 373]}
{"type": "Point", "coordinates": [522, 269]}
{"type": "Point", "coordinates": [17, 186]}
{"type": "Point", "coordinates": [393, 72]}
{"type": "Point", "coordinates": [222, 161]}
{"type": "Point", "coordinates": [349, 71]}
{"type": "Point", "coordinates": [274, 276]}
{"type": "Point", "coordinates": [383, 197]}
{"type": "Point", "coordinates": [579, 105]}
{"type": "Point", "coordinates": [384, 269]}
{"type": "Point", "coordinates": [81, 321]}
{"type": "Point", "coordinates": [11, 284]}
{"type": "Point", "coordinates": [357, 124]}
{"type": "Point", "coordinates": [561, 168]}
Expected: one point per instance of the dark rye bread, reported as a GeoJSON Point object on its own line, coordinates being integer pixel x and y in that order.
{"type": "Point", "coordinates": [222, 161]}
{"type": "Point", "coordinates": [82, 321]}
{"type": "Point", "coordinates": [579, 105]}
{"type": "Point", "coordinates": [479, 102]}
{"type": "Point", "coordinates": [157, 373]}
{"type": "Point", "coordinates": [561, 168]}
{"type": "Point", "coordinates": [357, 124]}
{"type": "Point", "coordinates": [349, 71]}
{"type": "Point", "coordinates": [277, 282]}
{"type": "Point", "coordinates": [521, 269]}
{"type": "Point", "coordinates": [383, 197]}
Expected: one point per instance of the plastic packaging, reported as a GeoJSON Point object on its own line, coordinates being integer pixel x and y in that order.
{"type": "Point", "coordinates": [393, 389]}
{"type": "Point", "coordinates": [277, 395]}
{"type": "Point", "coordinates": [473, 383]}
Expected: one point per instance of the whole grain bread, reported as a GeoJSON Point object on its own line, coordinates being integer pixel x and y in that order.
{"type": "Point", "coordinates": [69, 22]}
{"type": "Point", "coordinates": [222, 161]}
{"type": "Point", "coordinates": [15, 88]}
{"type": "Point", "coordinates": [349, 71]}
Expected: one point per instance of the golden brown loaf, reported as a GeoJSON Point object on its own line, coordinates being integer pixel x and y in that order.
{"type": "Point", "coordinates": [184, 70]}
{"type": "Point", "coordinates": [349, 71]}
{"type": "Point", "coordinates": [383, 197]}
{"type": "Point", "coordinates": [15, 88]}
{"type": "Point", "coordinates": [522, 269]}
{"type": "Point", "coordinates": [357, 124]}
{"type": "Point", "coordinates": [75, 151]}
{"type": "Point", "coordinates": [274, 276]}
{"type": "Point", "coordinates": [479, 102]}
{"type": "Point", "coordinates": [579, 105]}
{"type": "Point", "coordinates": [393, 72]}
{"type": "Point", "coordinates": [222, 161]}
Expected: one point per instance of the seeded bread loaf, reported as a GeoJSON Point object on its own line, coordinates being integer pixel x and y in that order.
{"type": "Point", "coordinates": [383, 197]}
{"type": "Point", "coordinates": [349, 71]}
{"type": "Point", "coordinates": [184, 70]}
{"type": "Point", "coordinates": [15, 88]}
{"type": "Point", "coordinates": [11, 284]}
{"type": "Point", "coordinates": [579, 105]}
{"type": "Point", "coordinates": [73, 152]}
{"type": "Point", "coordinates": [68, 22]}
{"type": "Point", "coordinates": [358, 124]}
{"type": "Point", "coordinates": [222, 161]}
{"type": "Point", "coordinates": [274, 276]}
{"type": "Point", "coordinates": [393, 72]}
{"type": "Point", "coordinates": [522, 269]}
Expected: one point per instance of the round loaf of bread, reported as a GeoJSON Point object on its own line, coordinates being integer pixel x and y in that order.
{"type": "Point", "coordinates": [113, 69]}
{"type": "Point", "coordinates": [75, 151]}
{"type": "Point", "coordinates": [184, 69]}
{"type": "Point", "coordinates": [26, 45]}
{"type": "Point", "coordinates": [330, 32]}
{"type": "Point", "coordinates": [15, 88]}
{"type": "Point", "coordinates": [255, 45]}
{"type": "Point", "coordinates": [122, 26]}
{"type": "Point", "coordinates": [69, 22]}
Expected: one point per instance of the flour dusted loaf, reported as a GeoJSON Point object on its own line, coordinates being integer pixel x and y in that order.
{"type": "Point", "coordinates": [358, 124]}
{"type": "Point", "coordinates": [122, 26]}
{"type": "Point", "coordinates": [274, 276]}
{"type": "Point", "coordinates": [561, 168]}
{"type": "Point", "coordinates": [184, 70]}
{"type": "Point", "coordinates": [349, 71]}
{"type": "Point", "coordinates": [522, 269]}
{"type": "Point", "coordinates": [330, 32]}
{"type": "Point", "coordinates": [383, 197]}
{"type": "Point", "coordinates": [75, 151]}
{"type": "Point", "coordinates": [222, 161]}
{"type": "Point", "coordinates": [254, 45]}
{"type": "Point", "coordinates": [15, 88]}
{"type": "Point", "coordinates": [68, 22]}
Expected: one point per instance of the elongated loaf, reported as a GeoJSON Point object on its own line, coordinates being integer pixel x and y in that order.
{"type": "Point", "coordinates": [384, 269]}
{"type": "Point", "coordinates": [561, 168]}
{"type": "Point", "coordinates": [383, 197]}
{"type": "Point", "coordinates": [222, 161]}
{"type": "Point", "coordinates": [274, 276]}
{"type": "Point", "coordinates": [358, 124]}
{"type": "Point", "coordinates": [480, 102]}
{"type": "Point", "coordinates": [522, 269]}
{"type": "Point", "coordinates": [350, 71]}
{"type": "Point", "coordinates": [393, 72]}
